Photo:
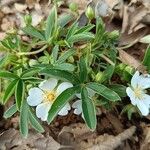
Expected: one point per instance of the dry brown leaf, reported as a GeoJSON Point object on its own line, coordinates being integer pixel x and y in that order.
{"type": "Point", "coordinates": [109, 142]}
{"type": "Point", "coordinates": [35, 141]}
{"type": "Point", "coordinates": [146, 143]}
{"type": "Point", "coordinates": [131, 61]}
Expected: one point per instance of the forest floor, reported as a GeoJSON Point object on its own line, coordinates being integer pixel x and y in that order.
{"type": "Point", "coordinates": [114, 130]}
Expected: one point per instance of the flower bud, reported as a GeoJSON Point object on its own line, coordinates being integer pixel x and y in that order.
{"type": "Point", "coordinates": [90, 13]}
{"type": "Point", "coordinates": [99, 76]}
{"type": "Point", "coordinates": [73, 7]}
{"type": "Point", "coordinates": [28, 19]}
{"type": "Point", "coordinates": [32, 62]}
{"type": "Point", "coordinates": [129, 69]}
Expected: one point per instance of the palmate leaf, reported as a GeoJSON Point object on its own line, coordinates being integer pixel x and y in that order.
{"type": "Point", "coordinates": [104, 91]}
{"type": "Point", "coordinates": [88, 108]}
{"type": "Point", "coordinates": [24, 110]}
{"type": "Point", "coordinates": [9, 90]}
{"type": "Point", "coordinates": [61, 74]}
{"type": "Point", "coordinates": [61, 101]}
{"type": "Point", "coordinates": [30, 72]}
{"type": "Point", "coordinates": [19, 93]}
{"type": "Point", "coordinates": [65, 66]}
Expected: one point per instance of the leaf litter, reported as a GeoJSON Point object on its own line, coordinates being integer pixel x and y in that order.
{"type": "Point", "coordinates": [133, 17]}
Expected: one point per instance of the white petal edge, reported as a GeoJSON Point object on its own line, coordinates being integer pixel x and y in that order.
{"type": "Point", "coordinates": [135, 79]}
{"type": "Point", "coordinates": [48, 85]}
{"type": "Point", "coordinates": [146, 100]}
{"type": "Point", "coordinates": [35, 96]}
{"type": "Point", "coordinates": [144, 82]}
{"type": "Point", "coordinates": [64, 110]}
{"type": "Point", "coordinates": [62, 87]}
{"type": "Point", "coordinates": [143, 108]}
{"type": "Point", "coordinates": [42, 110]}
{"type": "Point", "coordinates": [77, 105]}
{"type": "Point", "coordinates": [131, 94]}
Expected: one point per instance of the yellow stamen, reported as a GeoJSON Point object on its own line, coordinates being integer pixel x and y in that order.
{"type": "Point", "coordinates": [138, 93]}
{"type": "Point", "coordinates": [50, 96]}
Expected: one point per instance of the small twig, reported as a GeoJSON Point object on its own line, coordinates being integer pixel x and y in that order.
{"type": "Point", "coordinates": [107, 59]}
{"type": "Point", "coordinates": [34, 52]}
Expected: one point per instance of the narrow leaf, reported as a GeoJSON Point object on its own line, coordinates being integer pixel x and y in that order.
{"type": "Point", "coordinates": [19, 93]}
{"type": "Point", "coordinates": [35, 122]}
{"type": "Point", "coordinates": [30, 72]}
{"type": "Point", "coordinates": [146, 60]}
{"type": "Point", "coordinates": [61, 101]}
{"type": "Point", "coordinates": [9, 91]}
{"type": "Point", "coordinates": [30, 30]}
{"type": "Point", "coordinates": [8, 75]}
{"type": "Point", "coordinates": [65, 66]}
{"type": "Point", "coordinates": [24, 119]}
{"type": "Point", "coordinates": [10, 111]}
{"type": "Point", "coordinates": [50, 23]}
{"type": "Point", "coordinates": [61, 74]}
{"type": "Point", "coordinates": [88, 108]}
{"type": "Point", "coordinates": [104, 91]}
{"type": "Point", "coordinates": [83, 70]}
{"type": "Point", "coordinates": [65, 56]}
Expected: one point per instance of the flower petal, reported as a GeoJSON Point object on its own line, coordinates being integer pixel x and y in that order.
{"type": "Point", "coordinates": [146, 99]}
{"type": "Point", "coordinates": [48, 85]}
{"type": "Point", "coordinates": [131, 94]}
{"type": "Point", "coordinates": [62, 87]}
{"type": "Point", "coordinates": [143, 108]}
{"type": "Point", "coordinates": [77, 105]}
{"type": "Point", "coordinates": [42, 110]}
{"type": "Point", "coordinates": [144, 82]}
{"type": "Point", "coordinates": [64, 110]}
{"type": "Point", "coordinates": [135, 79]}
{"type": "Point", "coordinates": [35, 96]}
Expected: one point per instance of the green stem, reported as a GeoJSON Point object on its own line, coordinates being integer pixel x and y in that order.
{"type": "Point", "coordinates": [34, 52]}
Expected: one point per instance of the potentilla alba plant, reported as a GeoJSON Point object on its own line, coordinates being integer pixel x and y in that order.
{"type": "Point", "coordinates": [138, 94]}
{"type": "Point", "coordinates": [43, 97]}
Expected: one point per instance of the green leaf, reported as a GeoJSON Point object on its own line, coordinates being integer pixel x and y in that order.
{"type": "Point", "coordinates": [85, 28]}
{"type": "Point", "coordinates": [88, 108]}
{"type": "Point", "coordinates": [65, 56]}
{"type": "Point", "coordinates": [87, 36]}
{"type": "Point", "coordinates": [104, 91]}
{"type": "Point", "coordinates": [8, 75]}
{"type": "Point", "coordinates": [35, 122]}
{"type": "Point", "coordinates": [55, 53]}
{"type": "Point", "coordinates": [3, 60]}
{"type": "Point", "coordinates": [65, 19]}
{"type": "Point", "coordinates": [145, 39]}
{"type": "Point", "coordinates": [30, 72]}
{"type": "Point", "coordinates": [30, 30]}
{"type": "Point", "coordinates": [61, 74]}
{"type": "Point", "coordinates": [24, 110]}
{"type": "Point", "coordinates": [10, 111]}
{"type": "Point", "coordinates": [65, 66]}
{"type": "Point", "coordinates": [119, 89]}
{"type": "Point", "coordinates": [19, 93]}
{"type": "Point", "coordinates": [51, 23]}
{"type": "Point", "coordinates": [72, 30]}
{"type": "Point", "coordinates": [83, 70]}
{"type": "Point", "coordinates": [146, 60]}
{"type": "Point", "coordinates": [61, 101]}
{"type": "Point", "coordinates": [9, 91]}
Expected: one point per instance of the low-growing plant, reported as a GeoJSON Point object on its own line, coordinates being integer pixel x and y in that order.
{"type": "Point", "coordinates": [60, 63]}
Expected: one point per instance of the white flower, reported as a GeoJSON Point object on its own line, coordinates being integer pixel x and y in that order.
{"type": "Point", "coordinates": [44, 96]}
{"type": "Point", "coordinates": [77, 105]}
{"type": "Point", "coordinates": [137, 92]}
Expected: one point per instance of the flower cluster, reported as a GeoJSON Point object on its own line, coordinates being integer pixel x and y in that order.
{"type": "Point", "coordinates": [138, 94]}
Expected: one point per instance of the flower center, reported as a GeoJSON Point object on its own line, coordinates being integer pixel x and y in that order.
{"type": "Point", "coordinates": [138, 93]}
{"type": "Point", "coordinates": [50, 96]}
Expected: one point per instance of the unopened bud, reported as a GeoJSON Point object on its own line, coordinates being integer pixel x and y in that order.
{"type": "Point", "coordinates": [73, 7]}
{"type": "Point", "coordinates": [90, 13]}
{"type": "Point", "coordinates": [28, 19]}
